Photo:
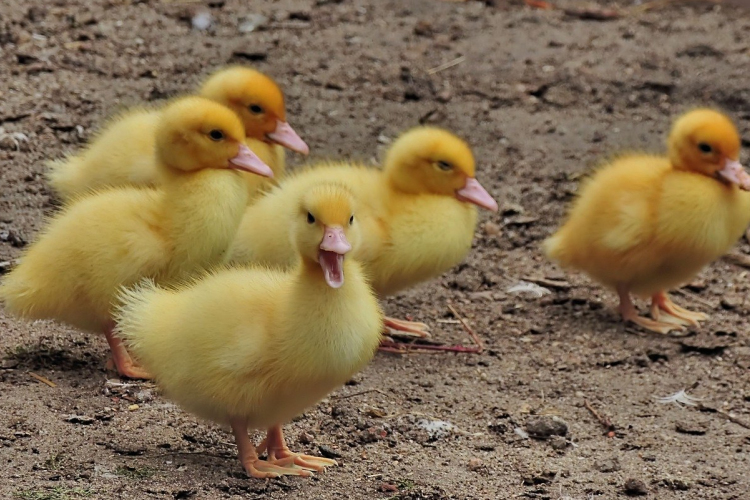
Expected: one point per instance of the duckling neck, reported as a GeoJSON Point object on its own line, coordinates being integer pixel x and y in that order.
{"type": "Point", "coordinates": [395, 184]}
{"type": "Point", "coordinates": [341, 325]}
{"type": "Point", "coordinates": [202, 211]}
{"type": "Point", "coordinates": [675, 158]}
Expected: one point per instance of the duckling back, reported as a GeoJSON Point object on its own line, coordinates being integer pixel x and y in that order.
{"type": "Point", "coordinates": [123, 153]}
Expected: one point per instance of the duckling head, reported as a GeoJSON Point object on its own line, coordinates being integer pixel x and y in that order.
{"type": "Point", "coordinates": [427, 160]}
{"type": "Point", "coordinates": [326, 229]}
{"type": "Point", "coordinates": [706, 142]}
{"type": "Point", "coordinates": [195, 133]}
{"type": "Point", "coordinates": [259, 103]}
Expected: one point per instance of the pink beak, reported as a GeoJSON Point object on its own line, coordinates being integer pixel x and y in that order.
{"type": "Point", "coordinates": [734, 172]}
{"type": "Point", "coordinates": [334, 240]}
{"type": "Point", "coordinates": [331, 255]}
{"type": "Point", "coordinates": [287, 137]}
{"type": "Point", "coordinates": [248, 161]}
{"type": "Point", "coordinates": [473, 192]}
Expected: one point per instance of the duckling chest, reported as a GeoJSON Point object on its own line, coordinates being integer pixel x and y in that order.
{"type": "Point", "coordinates": [423, 243]}
{"type": "Point", "coordinates": [702, 218]}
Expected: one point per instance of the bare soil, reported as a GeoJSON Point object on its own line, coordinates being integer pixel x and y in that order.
{"type": "Point", "coordinates": [541, 96]}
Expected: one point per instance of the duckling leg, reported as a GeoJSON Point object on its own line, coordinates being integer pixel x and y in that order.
{"type": "Point", "coordinates": [279, 454]}
{"type": "Point", "coordinates": [402, 327]}
{"type": "Point", "coordinates": [249, 457]}
{"type": "Point", "coordinates": [629, 313]}
{"type": "Point", "coordinates": [661, 302]}
{"type": "Point", "coordinates": [124, 364]}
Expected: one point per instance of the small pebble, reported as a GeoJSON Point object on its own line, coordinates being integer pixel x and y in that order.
{"type": "Point", "coordinates": [475, 464]}
{"type": "Point", "coordinates": [388, 488]}
{"type": "Point", "coordinates": [545, 426]}
{"type": "Point", "coordinates": [305, 438]}
{"type": "Point", "coordinates": [635, 487]}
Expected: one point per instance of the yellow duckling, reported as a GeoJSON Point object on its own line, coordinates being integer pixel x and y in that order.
{"type": "Point", "coordinates": [418, 213]}
{"type": "Point", "coordinates": [118, 236]}
{"type": "Point", "coordinates": [644, 224]}
{"type": "Point", "coordinates": [254, 347]}
{"type": "Point", "coordinates": [123, 152]}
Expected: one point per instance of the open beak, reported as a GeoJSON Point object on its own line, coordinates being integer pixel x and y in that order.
{"type": "Point", "coordinates": [331, 256]}
{"type": "Point", "coordinates": [473, 192]}
{"type": "Point", "coordinates": [287, 137]}
{"type": "Point", "coordinates": [734, 172]}
{"type": "Point", "coordinates": [248, 161]}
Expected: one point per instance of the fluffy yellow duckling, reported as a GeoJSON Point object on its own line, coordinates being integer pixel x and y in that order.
{"type": "Point", "coordinates": [118, 236]}
{"type": "Point", "coordinates": [644, 224]}
{"type": "Point", "coordinates": [419, 213]}
{"type": "Point", "coordinates": [254, 347]}
{"type": "Point", "coordinates": [123, 152]}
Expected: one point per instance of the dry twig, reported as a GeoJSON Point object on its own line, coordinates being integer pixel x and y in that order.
{"type": "Point", "coordinates": [43, 380]}
{"type": "Point", "coordinates": [605, 421]}
{"type": "Point", "coordinates": [347, 396]}
{"type": "Point", "coordinates": [468, 329]}
{"type": "Point", "coordinates": [444, 66]}
{"type": "Point", "coordinates": [738, 259]}
{"type": "Point", "coordinates": [549, 283]}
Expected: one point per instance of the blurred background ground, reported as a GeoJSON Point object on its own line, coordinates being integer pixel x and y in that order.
{"type": "Point", "coordinates": [540, 94]}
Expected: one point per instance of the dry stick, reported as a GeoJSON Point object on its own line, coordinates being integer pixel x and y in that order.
{"type": "Point", "coordinates": [399, 348]}
{"type": "Point", "coordinates": [606, 422]}
{"type": "Point", "coordinates": [468, 329]}
{"type": "Point", "coordinates": [347, 396]}
{"type": "Point", "coordinates": [738, 259]}
{"type": "Point", "coordinates": [711, 409]}
{"type": "Point", "coordinates": [695, 297]}
{"type": "Point", "coordinates": [731, 418]}
{"type": "Point", "coordinates": [43, 379]}
{"type": "Point", "coordinates": [557, 284]}
{"type": "Point", "coordinates": [444, 66]}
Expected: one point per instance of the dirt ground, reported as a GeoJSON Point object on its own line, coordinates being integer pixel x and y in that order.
{"type": "Point", "coordinates": [540, 95]}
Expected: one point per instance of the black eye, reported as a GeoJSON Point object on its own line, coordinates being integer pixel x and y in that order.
{"type": "Point", "coordinates": [216, 135]}
{"type": "Point", "coordinates": [444, 166]}
{"type": "Point", "coordinates": [351, 220]}
{"type": "Point", "coordinates": [254, 108]}
{"type": "Point", "coordinates": [705, 148]}
{"type": "Point", "coordinates": [310, 218]}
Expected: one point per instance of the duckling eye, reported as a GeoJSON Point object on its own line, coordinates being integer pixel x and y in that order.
{"type": "Point", "coordinates": [444, 166]}
{"type": "Point", "coordinates": [351, 220]}
{"type": "Point", "coordinates": [310, 218]}
{"type": "Point", "coordinates": [705, 148]}
{"type": "Point", "coordinates": [216, 135]}
{"type": "Point", "coordinates": [254, 108]}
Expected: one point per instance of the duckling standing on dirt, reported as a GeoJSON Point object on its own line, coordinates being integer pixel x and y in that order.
{"type": "Point", "coordinates": [644, 224]}
{"type": "Point", "coordinates": [254, 347]}
{"type": "Point", "coordinates": [419, 213]}
{"type": "Point", "coordinates": [123, 153]}
{"type": "Point", "coordinates": [118, 236]}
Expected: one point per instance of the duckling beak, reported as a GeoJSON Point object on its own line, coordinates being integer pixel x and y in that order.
{"type": "Point", "coordinates": [331, 256]}
{"type": "Point", "coordinates": [473, 192]}
{"type": "Point", "coordinates": [287, 137]}
{"type": "Point", "coordinates": [249, 162]}
{"type": "Point", "coordinates": [734, 172]}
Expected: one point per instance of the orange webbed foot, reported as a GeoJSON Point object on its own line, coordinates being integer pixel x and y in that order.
{"type": "Point", "coordinates": [663, 309]}
{"type": "Point", "coordinates": [279, 454]}
{"type": "Point", "coordinates": [249, 459]}
{"type": "Point", "coordinates": [123, 363]}
{"type": "Point", "coordinates": [403, 328]}
{"type": "Point", "coordinates": [629, 313]}
{"type": "Point", "coordinates": [128, 369]}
